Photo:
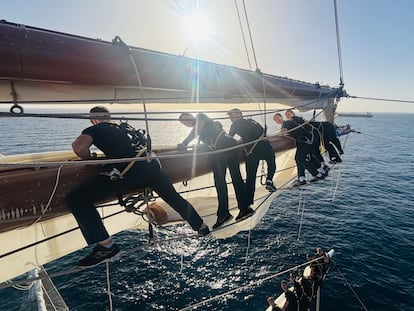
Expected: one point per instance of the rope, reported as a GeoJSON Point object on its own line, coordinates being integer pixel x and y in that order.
{"type": "Point", "coordinates": [384, 99]}
{"type": "Point", "coordinates": [193, 306]}
{"type": "Point", "coordinates": [108, 284]}
{"type": "Point", "coordinates": [78, 269]}
{"type": "Point", "coordinates": [338, 43]}
{"type": "Point", "coordinates": [125, 47]}
{"type": "Point", "coordinates": [301, 218]}
{"type": "Point", "coordinates": [248, 241]}
{"type": "Point", "coordinates": [250, 34]}
{"type": "Point", "coordinates": [352, 289]}
{"type": "Point", "coordinates": [50, 198]}
{"type": "Point", "coordinates": [242, 32]}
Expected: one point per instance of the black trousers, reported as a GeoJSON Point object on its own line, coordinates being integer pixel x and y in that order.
{"type": "Point", "coordinates": [305, 160]}
{"type": "Point", "coordinates": [315, 148]}
{"type": "Point", "coordinates": [219, 163]}
{"type": "Point", "coordinates": [143, 174]}
{"type": "Point", "coordinates": [262, 151]}
{"type": "Point", "coordinates": [330, 140]}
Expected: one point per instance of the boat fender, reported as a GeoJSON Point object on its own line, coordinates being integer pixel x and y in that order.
{"type": "Point", "coordinates": [159, 215]}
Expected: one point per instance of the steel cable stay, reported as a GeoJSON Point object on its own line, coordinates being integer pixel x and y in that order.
{"type": "Point", "coordinates": [382, 99]}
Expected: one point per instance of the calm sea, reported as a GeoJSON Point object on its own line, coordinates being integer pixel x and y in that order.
{"type": "Point", "coordinates": [364, 210]}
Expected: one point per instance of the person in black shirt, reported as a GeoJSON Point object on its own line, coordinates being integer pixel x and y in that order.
{"type": "Point", "coordinates": [216, 139]}
{"type": "Point", "coordinates": [250, 130]}
{"type": "Point", "coordinates": [291, 303]}
{"type": "Point", "coordinates": [315, 142]}
{"type": "Point", "coordinates": [115, 143]}
{"type": "Point", "coordinates": [330, 140]}
{"type": "Point", "coordinates": [272, 304]}
{"type": "Point", "coordinates": [301, 297]}
{"type": "Point", "coordinates": [303, 157]}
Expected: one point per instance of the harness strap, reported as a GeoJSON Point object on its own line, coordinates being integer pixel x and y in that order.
{"type": "Point", "coordinates": [130, 164]}
{"type": "Point", "coordinates": [213, 146]}
{"type": "Point", "coordinates": [254, 145]}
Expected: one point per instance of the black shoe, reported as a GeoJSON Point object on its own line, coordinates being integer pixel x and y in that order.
{"type": "Point", "coordinates": [99, 253]}
{"type": "Point", "coordinates": [317, 177]}
{"type": "Point", "coordinates": [222, 220]}
{"type": "Point", "coordinates": [270, 186]}
{"type": "Point", "coordinates": [203, 230]}
{"type": "Point", "coordinates": [299, 183]}
{"type": "Point", "coordinates": [245, 213]}
{"type": "Point", "coordinates": [326, 168]}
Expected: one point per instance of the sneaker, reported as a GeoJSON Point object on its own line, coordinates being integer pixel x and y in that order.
{"type": "Point", "coordinates": [270, 186]}
{"type": "Point", "coordinates": [317, 177]}
{"type": "Point", "coordinates": [326, 168]}
{"type": "Point", "coordinates": [245, 213]}
{"type": "Point", "coordinates": [299, 183]}
{"type": "Point", "coordinates": [99, 253]}
{"type": "Point", "coordinates": [222, 220]}
{"type": "Point", "coordinates": [203, 230]}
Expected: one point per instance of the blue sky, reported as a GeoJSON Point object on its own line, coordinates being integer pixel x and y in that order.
{"type": "Point", "coordinates": [292, 38]}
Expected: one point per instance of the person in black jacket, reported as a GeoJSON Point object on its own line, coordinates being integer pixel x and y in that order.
{"type": "Point", "coordinates": [303, 156]}
{"type": "Point", "coordinates": [329, 139]}
{"type": "Point", "coordinates": [212, 134]}
{"type": "Point", "coordinates": [115, 143]}
{"type": "Point", "coordinates": [315, 142]}
{"type": "Point", "coordinates": [250, 131]}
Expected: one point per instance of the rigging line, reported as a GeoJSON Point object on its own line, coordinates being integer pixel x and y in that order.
{"type": "Point", "coordinates": [242, 32]}
{"type": "Point", "coordinates": [50, 198]}
{"type": "Point", "coordinates": [253, 283]}
{"type": "Point", "coordinates": [86, 116]}
{"type": "Point", "coordinates": [338, 43]}
{"type": "Point", "coordinates": [387, 138]}
{"type": "Point", "coordinates": [123, 160]}
{"type": "Point", "coordinates": [108, 285]}
{"type": "Point", "coordinates": [250, 34]}
{"type": "Point", "coordinates": [352, 289]}
{"type": "Point", "coordinates": [248, 240]}
{"type": "Point", "coordinates": [384, 99]}
{"type": "Point", "coordinates": [74, 269]}
{"type": "Point", "coordinates": [301, 218]}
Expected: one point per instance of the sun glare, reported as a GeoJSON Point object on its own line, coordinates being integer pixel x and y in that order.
{"type": "Point", "coordinates": [198, 26]}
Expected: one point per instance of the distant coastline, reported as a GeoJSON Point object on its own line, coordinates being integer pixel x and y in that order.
{"type": "Point", "coordinates": [355, 114]}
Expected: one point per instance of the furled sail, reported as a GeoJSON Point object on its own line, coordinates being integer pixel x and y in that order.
{"type": "Point", "coordinates": [41, 66]}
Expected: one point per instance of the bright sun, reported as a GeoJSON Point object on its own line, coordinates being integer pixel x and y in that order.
{"type": "Point", "coordinates": [198, 26]}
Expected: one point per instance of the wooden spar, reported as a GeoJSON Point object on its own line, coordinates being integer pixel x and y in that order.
{"type": "Point", "coordinates": [25, 192]}
{"type": "Point", "coordinates": [40, 65]}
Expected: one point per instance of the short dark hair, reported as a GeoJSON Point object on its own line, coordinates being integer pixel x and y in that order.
{"type": "Point", "coordinates": [100, 112]}
{"type": "Point", "coordinates": [234, 110]}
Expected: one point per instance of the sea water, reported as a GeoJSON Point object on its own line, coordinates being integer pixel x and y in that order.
{"type": "Point", "coordinates": [364, 210]}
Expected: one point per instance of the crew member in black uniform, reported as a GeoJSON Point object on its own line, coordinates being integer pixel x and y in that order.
{"type": "Point", "coordinates": [303, 157]}
{"type": "Point", "coordinates": [215, 138]}
{"type": "Point", "coordinates": [330, 140]}
{"type": "Point", "coordinates": [115, 143]}
{"type": "Point", "coordinates": [315, 142]}
{"type": "Point", "coordinates": [250, 130]}
{"type": "Point", "coordinates": [291, 303]}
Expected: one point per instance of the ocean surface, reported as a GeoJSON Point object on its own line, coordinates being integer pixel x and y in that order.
{"type": "Point", "coordinates": [364, 210]}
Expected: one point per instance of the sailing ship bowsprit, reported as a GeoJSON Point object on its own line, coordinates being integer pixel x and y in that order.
{"type": "Point", "coordinates": [42, 66]}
